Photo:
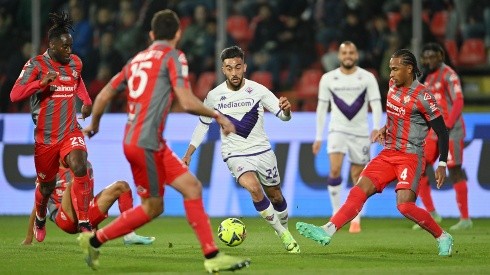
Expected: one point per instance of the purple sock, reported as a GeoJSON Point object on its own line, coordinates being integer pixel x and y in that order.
{"type": "Point", "coordinates": [279, 207]}
{"type": "Point", "coordinates": [334, 181]}
{"type": "Point", "coordinates": [262, 205]}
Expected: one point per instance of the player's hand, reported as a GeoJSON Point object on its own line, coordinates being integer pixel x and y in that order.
{"type": "Point", "coordinates": [380, 137]}
{"type": "Point", "coordinates": [48, 78]}
{"type": "Point", "coordinates": [285, 105]}
{"type": "Point", "coordinates": [440, 175]}
{"type": "Point", "coordinates": [86, 111]}
{"type": "Point", "coordinates": [90, 130]}
{"type": "Point", "coordinates": [186, 160]}
{"type": "Point", "coordinates": [225, 124]}
{"type": "Point", "coordinates": [316, 146]}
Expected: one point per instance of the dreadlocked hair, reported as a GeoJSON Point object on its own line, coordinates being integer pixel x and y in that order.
{"type": "Point", "coordinates": [407, 58]}
{"type": "Point", "coordinates": [62, 24]}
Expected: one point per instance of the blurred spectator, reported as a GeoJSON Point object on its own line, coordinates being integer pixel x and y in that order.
{"type": "Point", "coordinates": [295, 50]}
{"type": "Point", "coordinates": [15, 64]}
{"type": "Point", "coordinates": [107, 54]}
{"type": "Point", "coordinates": [104, 22]}
{"type": "Point", "coordinates": [353, 29]}
{"type": "Point", "coordinates": [24, 16]}
{"type": "Point", "coordinates": [328, 17]}
{"type": "Point", "coordinates": [82, 32]}
{"type": "Point", "coordinates": [474, 26]}
{"type": "Point", "coordinates": [405, 27]}
{"type": "Point", "coordinates": [188, 7]}
{"type": "Point", "coordinates": [104, 74]}
{"type": "Point", "coordinates": [129, 36]}
{"type": "Point", "coordinates": [197, 42]}
{"type": "Point", "coordinates": [5, 35]}
{"type": "Point", "coordinates": [378, 43]}
{"type": "Point", "coordinates": [264, 40]}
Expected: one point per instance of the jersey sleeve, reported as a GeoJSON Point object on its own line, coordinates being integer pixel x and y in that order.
{"type": "Point", "coordinates": [202, 127]}
{"type": "Point", "coordinates": [28, 82]}
{"type": "Point", "coordinates": [82, 92]}
{"type": "Point", "coordinates": [372, 88]}
{"type": "Point", "coordinates": [178, 69]}
{"type": "Point", "coordinates": [119, 82]}
{"type": "Point", "coordinates": [427, 105]}
{"type": "Point", "coordinates": [453, 85]}
{"type": "Point", "coordinates": [323, 93]}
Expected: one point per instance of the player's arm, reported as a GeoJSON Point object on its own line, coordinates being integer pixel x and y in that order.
{"type": "Point", "coordinates": [83, 95]}
{"type": "Point", "coordinates": [280, 107]}
{"type": "Point", "coordinates": [27, 84]}
{"type": "Point", "coordinates": [375, 103]}
{"type": "Point", "coordinates": [427, 105]}
{"type": "Point", "coordinates": [454, 88]}
{"type": "Point", "coordinates": [197, 136]}
{"type": "Point", "coordinates": [443, 143]}
{"type": "Point", "coordinates": [30, 228]}
{"type": "Point", "coordinates": [321, 113]}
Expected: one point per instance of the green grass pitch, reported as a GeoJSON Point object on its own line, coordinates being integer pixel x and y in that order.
{"type": "Point", "coordinates": [385, 246]}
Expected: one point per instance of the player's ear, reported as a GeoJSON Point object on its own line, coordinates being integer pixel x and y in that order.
{"type": "Point", "coordinates": [244, 67]}
{"type": "Point", "coordinates": [152, 35]}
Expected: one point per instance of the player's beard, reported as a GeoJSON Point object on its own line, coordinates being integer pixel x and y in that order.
{"type": "Point", "coordinates": [348, 66]}
{"type": "Point", "coordinates": [236, 87]}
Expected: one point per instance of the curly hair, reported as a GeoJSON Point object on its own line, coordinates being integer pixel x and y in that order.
{"type": "Point", "coordinates": [62, 24]}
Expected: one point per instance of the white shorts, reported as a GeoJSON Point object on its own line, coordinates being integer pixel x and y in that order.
{"type": "Point", "coordinates": [355, 146]}
{"type": "Point", "coordinates": [264, 164]}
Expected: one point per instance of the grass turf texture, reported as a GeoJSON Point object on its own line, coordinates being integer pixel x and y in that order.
{"type": "Point", "coordinates": [385, 246]}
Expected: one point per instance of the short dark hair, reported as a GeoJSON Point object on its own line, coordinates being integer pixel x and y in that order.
{"type": "Point", "coordinates": [232, 52]}
{"type": "Point", "coordinates": [165, 24]}
{"type": "Point", "coordinates": [62, 24]}
{"type": "Point", "coordinates": [434, 47]}
{"type": "Point", "coordinates": [407, 58]}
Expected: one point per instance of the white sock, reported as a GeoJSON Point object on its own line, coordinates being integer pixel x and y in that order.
{"type": "Point", "coordinates": [270, 215]}
{"type": "Point", "coordinates": [330, 228]}
{"type": "Point", "coordinates": [357, 218]}
{"type": "Point", "coordinates": [283, 218]}
{"type": "Point", "coordinates": [334, 192]}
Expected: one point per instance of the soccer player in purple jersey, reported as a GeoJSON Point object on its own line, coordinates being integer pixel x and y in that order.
{"type": "Point", "coordinates": [153, 78]}
{"type": "Point", "coordinates": [411, 111]}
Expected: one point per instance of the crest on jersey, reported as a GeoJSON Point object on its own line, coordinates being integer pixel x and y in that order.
{"type": "Point", "coordinates": [427, 96]}
{"type": "Point", "coordinates": [249, 90]}
{"type": "Point", "coordinates": [75, 74]}
{"type": "Point", "coordinates": [406, 99]}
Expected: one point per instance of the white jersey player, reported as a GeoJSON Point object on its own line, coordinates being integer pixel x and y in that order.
{"type": "Point", "coordinates": [348, 90]}
{"type": "Point", "coordinates": [248, 152]}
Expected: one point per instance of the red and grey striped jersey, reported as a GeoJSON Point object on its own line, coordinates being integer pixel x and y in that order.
{"type": "Point", "coordinates": [150, 78]}
{"type": "Point", "coordinates": [408, 112]}
{"type": "Point", "coordinates": [52, 107]}
{"type": "Point", "coordinates": [445, 85]}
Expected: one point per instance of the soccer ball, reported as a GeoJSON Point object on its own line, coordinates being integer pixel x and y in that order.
{"type": "Point", "coordinates": [232, 232]}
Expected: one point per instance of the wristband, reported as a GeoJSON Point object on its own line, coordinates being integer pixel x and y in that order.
{"type": "Point", "coordinates": [442, 163]}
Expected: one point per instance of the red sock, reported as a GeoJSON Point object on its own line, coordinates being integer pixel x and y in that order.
{"type": "Point", "coordinates": [124, 224]}
{"type": "Point", "coordinates": [83, 195]}
{"type": "Point", "coordinates": [462, 198]}
{"type": "Point", "coordinates": [125, 201]}
{"type": "Point", "coordinates": [199, 221]}
{"type": "Point", "coordinates": [424, 194]}
{"type": "Point", "coordinates": [421, 217]}
{"type": "Point", "coordinates": [41, 202]}
{"type": "Point", "coordinates": [351, 207]}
